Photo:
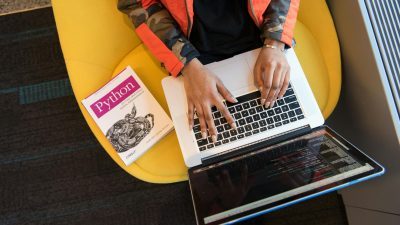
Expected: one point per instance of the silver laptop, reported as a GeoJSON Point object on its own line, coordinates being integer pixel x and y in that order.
{"type": "Point", "coordinates": [275, 158]}
{"type": "Point", "coordinates": [297, 110]}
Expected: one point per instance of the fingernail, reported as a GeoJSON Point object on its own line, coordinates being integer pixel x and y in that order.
{"type": "Point", "coordinates": [190, 127]}
{"type": "Point", "coordinates": [267, 104]}
{"type": "Point", "coordinates": [233, 125]}
{"type": "Point", "coordinates": [263, 101]}
{"type": "Point", "coordinates": [234, 99]}
{"type": "Point", "coordinates": [203, 135]}
{"type": "Point", "coordinates": [260, 88]}
{"type": "Point", "coordinates": [214, 138]}
{"type": "Point", "coordinates": [272, 104]}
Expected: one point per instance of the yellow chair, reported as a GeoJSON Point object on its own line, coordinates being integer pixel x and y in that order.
{"type": "Point", "coordinates": [98, 41]}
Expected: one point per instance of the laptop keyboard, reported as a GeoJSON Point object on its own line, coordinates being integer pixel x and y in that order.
{"type": "Point", "coordinates": [251, 118]}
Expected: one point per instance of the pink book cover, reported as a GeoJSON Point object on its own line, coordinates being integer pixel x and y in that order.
{"type": "Point", "coordinates": [128, 115]}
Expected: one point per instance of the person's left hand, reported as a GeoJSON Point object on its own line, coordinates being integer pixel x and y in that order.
{"type": "Point", "coordinates": [272, 73]}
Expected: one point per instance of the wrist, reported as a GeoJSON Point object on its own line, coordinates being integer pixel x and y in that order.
{"type": "Point", "coordinates": [193, 65]}
{"type": "Point", "coordinates": [278, 44]}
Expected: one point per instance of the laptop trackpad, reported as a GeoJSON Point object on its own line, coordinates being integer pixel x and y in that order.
{"type": "Point", "coordinates": [236, 73]}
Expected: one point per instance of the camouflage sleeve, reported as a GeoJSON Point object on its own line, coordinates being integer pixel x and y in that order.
{"type": "Point", "coordinates": [279, 20]}
{"type": "Point", "coordinates": [161, 23]}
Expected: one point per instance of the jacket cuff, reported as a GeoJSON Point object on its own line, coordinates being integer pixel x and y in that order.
{"type": "Point", "coordinates": [184, 51]}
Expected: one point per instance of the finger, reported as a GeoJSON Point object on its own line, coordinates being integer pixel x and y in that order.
{"type": "Point", "coordinates": [258, 76]}
{"type": "Point", "coordinates": [190, 114]}
{"type": "Point", "coordinates": [275, 85]}
{"type": "Point", "coordinates": [225, 113]}
{"type": "Point", "coordinates": [278, 90]}
{"type": "Point", "coordinates": [268, 81]}
{"type": "Point", "coordinates": [210, 122]}
{"type": "Point", "coordinates": [225, 93]}
{"type": "Point", "coordinates": [203, 124]}
{"type": "Point", "coordinates": [285, 84]}
{"type": "Point", "coordinates": [273, 101]}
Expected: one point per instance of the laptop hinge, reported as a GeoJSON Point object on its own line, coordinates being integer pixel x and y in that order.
{"type": "Point", "coordinates": [262, 143]}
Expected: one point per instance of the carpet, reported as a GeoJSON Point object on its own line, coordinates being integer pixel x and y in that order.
{"type": "Point", "coordinates": [53, 170]}
{"type": "Point", "coordinates": [10, 6]}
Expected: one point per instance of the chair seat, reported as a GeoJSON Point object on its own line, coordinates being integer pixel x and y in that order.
{"type": "Point", "coordinates": [98, 42]}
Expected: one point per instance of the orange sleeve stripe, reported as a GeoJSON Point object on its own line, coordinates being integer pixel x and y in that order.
{"type": "Point", "coordinates": [159, 49]}
{"type": "Point", "coordinates": [148, 3]}
{"type": "Point", "coordinates": [290, 22]}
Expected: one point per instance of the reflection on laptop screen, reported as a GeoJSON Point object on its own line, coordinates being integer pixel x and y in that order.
{"type": "Point", "coordinates": [272, 174]}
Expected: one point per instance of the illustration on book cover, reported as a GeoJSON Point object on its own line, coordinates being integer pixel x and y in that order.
{"type": "Point", "coordinates": [130, 131]}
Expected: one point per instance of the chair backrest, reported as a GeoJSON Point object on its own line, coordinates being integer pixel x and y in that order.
{"type": "Point", "coordinates": [94, 31]}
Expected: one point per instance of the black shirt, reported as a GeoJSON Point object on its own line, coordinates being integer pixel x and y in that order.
{"type": "Point", "coordinates": [222, 29]}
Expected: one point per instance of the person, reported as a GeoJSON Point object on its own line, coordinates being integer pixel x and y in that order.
{"type": "Point", "coordinates": [184, 35]}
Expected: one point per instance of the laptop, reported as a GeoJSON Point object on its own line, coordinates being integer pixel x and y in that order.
{"type": "Point", "coordinates": [276, 157]}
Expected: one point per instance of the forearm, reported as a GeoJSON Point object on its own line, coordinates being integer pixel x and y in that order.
{"type": "Point", "coordinates": [279, 21]}
{"type": "Point", "coordinates": [165, 39]}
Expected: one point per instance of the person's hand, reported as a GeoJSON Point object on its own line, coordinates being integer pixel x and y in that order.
{"type": "Point", "coordinates": [204, 90]}
{"type": "Point", "coordinates": [272, 73]}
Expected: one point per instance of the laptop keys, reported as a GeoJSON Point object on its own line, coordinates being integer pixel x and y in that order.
{"type": "Point", "coordinates": [237, 116]}
{"type": "Point", "coordinates": [247, 127]}
{"type": "Point", "coordinates": [239, 108]}
{"type": "Point", "coordinates": [288, 92]}
{"type": "Point", "coordinates": [277, 110]}
{"type": "Point", "coordinates": [291, 114]}
{"type": "Point", "coordinates": [241, 130]}
{"type": "Point", "coordinates": [251, 118]}
{"type": "Point", "coordinates": [252, 111]}
{"type": "Point", "coordinates": [202, 142]}
{"type": "Point", "coordinates": [196, 128]}
{"type": "Point", "coordinates": [294, 105]}
{"type": "Point", "coordinates": [290, 99]}
{"type": "Point", "coordinates": [198, 136]}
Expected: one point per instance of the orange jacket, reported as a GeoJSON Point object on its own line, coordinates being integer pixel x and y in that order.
{"type": "Point", "coordinates": [165, 25]}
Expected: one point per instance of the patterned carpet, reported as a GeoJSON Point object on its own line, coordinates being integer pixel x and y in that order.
{"type": "Point", "coordinates": [53, 170]}
{"type": "Point", "coordinates": [10, 6]}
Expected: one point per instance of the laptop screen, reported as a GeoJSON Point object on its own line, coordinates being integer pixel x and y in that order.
{"type": "Point", "coordinates": [269, 177]}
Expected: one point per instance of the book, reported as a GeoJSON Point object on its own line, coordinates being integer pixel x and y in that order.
{"type": "Point", "coordinates": [128, 115]}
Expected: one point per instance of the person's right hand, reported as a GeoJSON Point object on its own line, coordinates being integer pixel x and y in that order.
{"type": "Point", "coordinates": [204, 90]}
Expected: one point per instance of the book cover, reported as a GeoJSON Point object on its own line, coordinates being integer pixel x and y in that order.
{"type": "Point", "coordinates": [128, 115]}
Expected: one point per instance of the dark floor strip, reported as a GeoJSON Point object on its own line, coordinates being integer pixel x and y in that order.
{"type": "Point", "coordinates": [8, 90]}
{"type": "Point", "coordinates": [44, 91]}
{"type": "Point", "coordinates": [47, 152]}
{"type": "Point", "coordinates": [7, 39]}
